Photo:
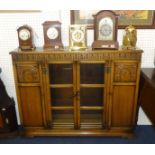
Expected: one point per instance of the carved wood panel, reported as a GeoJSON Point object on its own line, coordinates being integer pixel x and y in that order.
{"type": "Point", "coordinates": [28, 73]}
{"type": "Point", "coordinates": [76, 56]}
{"type": "Point", "coordinates": [31, 103]}
{"type": "Point", "coordinates": [125, 72]}
{"type": "Point", "coordinates": [122, 106]}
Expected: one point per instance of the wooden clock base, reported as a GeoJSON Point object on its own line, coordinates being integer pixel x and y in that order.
{"type": "Point", "coordinates": [27, 48]}
{"type": "Point", "coordinates": [99, 44]}
{"type": "Point", "coordinates": [57, 46]}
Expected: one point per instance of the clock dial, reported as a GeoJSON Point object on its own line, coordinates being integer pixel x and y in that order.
{"type": "Point", "coordinates": [78, 35]}
{"type": "Point", "coordinates": [24, 34]}
{"type": "Point", "coordinates": [52, 33]}
{"type": "Point", "coordinates": [106, 29]}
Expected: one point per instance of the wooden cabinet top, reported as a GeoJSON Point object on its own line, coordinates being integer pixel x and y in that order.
{"type": "Point", "coordinates": [41, 54]}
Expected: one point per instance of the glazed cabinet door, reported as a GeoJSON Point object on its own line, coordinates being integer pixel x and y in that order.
{"type": "Point", "coordinates": [91, 90]}
{"type": "Point", "coordinates": [30, 94]}
{"type": "Point", "coordinates": [124, 91]}
{"type": "Point", "coordinates": [61, 90]}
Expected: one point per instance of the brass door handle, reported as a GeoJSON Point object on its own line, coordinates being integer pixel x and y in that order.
{"type": "Point", "coordinates": [76, 94]}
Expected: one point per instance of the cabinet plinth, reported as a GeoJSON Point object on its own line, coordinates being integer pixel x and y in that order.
{"type": "Point", "coordinates": [92, 92]}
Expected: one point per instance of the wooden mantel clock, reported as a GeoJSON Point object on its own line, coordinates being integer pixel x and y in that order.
{"type": "Point", "coordinates": [105, 30]}
{"type": "Point", "coordinates": [25, 37]}
{"type": "Point", "coordinates": [52, 34]}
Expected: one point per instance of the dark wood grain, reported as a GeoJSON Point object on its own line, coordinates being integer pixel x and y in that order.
{"type": "Point", "coordinates": [1, 122]}
{"type": "Point", "coordinates": [147, 92]}
{"type": "Point", "coordinates": [149, 75]}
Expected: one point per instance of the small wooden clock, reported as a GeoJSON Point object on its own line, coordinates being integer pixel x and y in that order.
{"type": "Point", "coordinates": [52, 34]}
{"type": "Point", "coordinates": [25, 37]}
{"type": "Point", "coordinates": [105, 30]}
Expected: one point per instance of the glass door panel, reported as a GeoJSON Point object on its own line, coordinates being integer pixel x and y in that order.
{"type": "Point", "coordinates": [91, 119]}
{"type": "Point", "coordinates": [91, 96]}
{"type": "Point", "coordinates": [92, 73]}
{"type": "Point", "coordinates": [91, 100]}
{"type": "Point", "coordinates": [61, 96]}
{"type": "Point", "coordinates": [62, 87]}
{"type": "Point", "coordinates": [61, 73]}
{"type": "Point", "coordinates": [63, 119]}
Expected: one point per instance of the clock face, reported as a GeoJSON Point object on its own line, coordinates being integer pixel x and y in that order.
{"type": "Point", "coordinates": [24, 34]}
{"type": "Point", "coordinates": [78, 35]}
{"type": "Point", "coordinates": [106, 29]}
{"type": "Point", "coordinates": [52, 33]}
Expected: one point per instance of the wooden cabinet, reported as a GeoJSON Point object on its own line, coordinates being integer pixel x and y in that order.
{"type": "Point", "coordinates": [77, 93]}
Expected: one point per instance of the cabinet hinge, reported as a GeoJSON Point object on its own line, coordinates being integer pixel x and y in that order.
{"type": "Point", "coordinates": [44, 70]}
{"type": "Point", "coordinates": [49, 125]}
{"type": "Point", "coordinates": [108, 69]}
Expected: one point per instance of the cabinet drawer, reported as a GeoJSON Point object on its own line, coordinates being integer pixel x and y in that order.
{"type": "Point", "coordinates": [125, 72]}
{"type": "Point", "coordinates": [28, 73]}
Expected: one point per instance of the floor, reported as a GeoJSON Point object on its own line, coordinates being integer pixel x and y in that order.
{"type": "Point", "coordinates": [143, 135]}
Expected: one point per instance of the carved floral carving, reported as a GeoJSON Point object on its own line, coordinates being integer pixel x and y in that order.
{"type": "Point", "coordinates": [28, 73]}
{"type": "Point", "coordinates": [125, 72]}
{"type": "Point", "coordinates": [76, 56]}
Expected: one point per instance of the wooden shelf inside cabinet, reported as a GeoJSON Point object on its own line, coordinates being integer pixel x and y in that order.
{"type": "Point", "coordinates": [61, 86]}
{"type": "Point", "coordinates": [62, 108]}
{"type": "Point", "coordinates": [92, 85]}
{"type": "Point", "coordinates": [89, 92]}
{"type": "Point", "coordinates": [91, 108]}
{"type": "Point", "coordinates": [64, 121]}
{"type": "Point", "coordinates": [91, 121]}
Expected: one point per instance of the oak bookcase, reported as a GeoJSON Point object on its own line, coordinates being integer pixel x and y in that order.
{"type": "Point", "coordinates": [77, 93]}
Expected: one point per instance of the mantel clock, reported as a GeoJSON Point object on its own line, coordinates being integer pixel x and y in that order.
{"type": "Point", "coordinates": [52, 34]}
{"type": "Point", "coordinates": [105, 30]}
{"type": "Point", "coordinates": [25, 37]}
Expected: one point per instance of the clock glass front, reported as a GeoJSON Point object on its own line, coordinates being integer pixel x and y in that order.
{"type": "Point", "coordinates": [52, 33]}
{"type": "Point", "coordinates": [106, 29]}
{"type": "Point", "coordinates": [24, 34]}
{"type": "Point", "coordinates": [78, 35]}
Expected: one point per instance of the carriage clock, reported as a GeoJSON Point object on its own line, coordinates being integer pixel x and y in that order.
{"type": "Point", "coordinates": [105, 30]}
{"type": "Point", "coordinates": [52, 34]}
{"type": "Point", "coordinates": [77, 37]}
{"type": "Point", "coordinates": [25, 37]}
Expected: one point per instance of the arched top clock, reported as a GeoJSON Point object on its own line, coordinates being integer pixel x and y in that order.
{"type": "Point", "coordinates": [25, 37]}
{"type": "Point", "coordinates": [105, 30]}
